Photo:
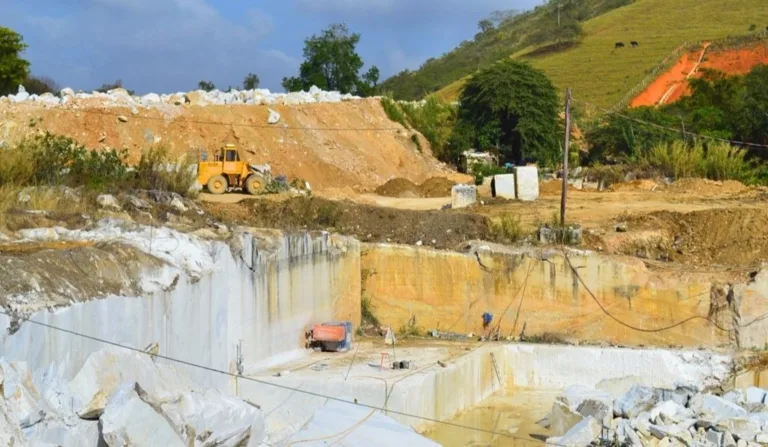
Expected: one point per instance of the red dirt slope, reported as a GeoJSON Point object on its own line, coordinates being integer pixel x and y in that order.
{"type": "Point", "coordinates": [673, 85]}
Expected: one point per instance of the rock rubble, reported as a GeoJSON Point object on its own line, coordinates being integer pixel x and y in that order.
{"type": "Point", "coordinates": [123, 398]}
{"type": "Point", "coordinates": [121, 98]}
{"type": "Point", "coordinates": [646, 416]}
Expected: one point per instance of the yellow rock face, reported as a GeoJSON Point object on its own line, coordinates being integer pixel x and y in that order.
{"type": "Point", "coordinates": [538, 291]}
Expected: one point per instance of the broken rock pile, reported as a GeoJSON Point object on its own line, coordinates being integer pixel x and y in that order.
{"type": "Point", "coordinates": [121, 98]}
{"type": "Point", "coordinates": [120, 398]}
{"type": "Point", "coordinates": [611, 414]}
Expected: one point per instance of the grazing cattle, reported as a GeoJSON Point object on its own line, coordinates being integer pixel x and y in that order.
{"type": "Point", "coordinates": [619, 45]}
{"type": "Point", "coordinates": [635, 43]}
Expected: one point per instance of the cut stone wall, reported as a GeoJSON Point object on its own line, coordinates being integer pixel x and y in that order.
{"type": "Point", "coordinates": [450, 291]}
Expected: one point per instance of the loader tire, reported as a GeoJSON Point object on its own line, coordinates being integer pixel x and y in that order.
{"type": "Point", "coordinates": [254, 184]}
{"type": "Point", "coordinates": [217, 184]}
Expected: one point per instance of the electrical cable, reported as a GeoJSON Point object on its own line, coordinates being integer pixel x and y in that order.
{"type": "Point", "coordinates": [234, 124]}
{"type": "Point", "coordinates": [259, 381]}
{"type": "Point", "coordinates": [671, 129]}
{"type": "Point", "coordinates": [647, 330]}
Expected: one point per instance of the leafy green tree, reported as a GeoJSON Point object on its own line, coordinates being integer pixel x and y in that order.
{"type": "Point", "coordinates": [206, 85]}
{"type": "Point", "coordinates": [513, 107]}
{"type": "Point", "coordinates": [753, 120]}
{"type": "Point", "coordinates": [332, 63]}
{"type": "Point", "coordinates": [251, 82]}
{"type": "Point", "coordinates": [485, 25]}
{"type": "Point", "coordinates": [13, 68]}
{"type": "Point", "coordinates": [618, 137]}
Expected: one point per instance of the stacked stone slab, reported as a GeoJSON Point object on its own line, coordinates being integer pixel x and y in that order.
{"type": "Point", "coordinates": [463, 196]}
{"type": "Point", "coordinates": [527, 183]}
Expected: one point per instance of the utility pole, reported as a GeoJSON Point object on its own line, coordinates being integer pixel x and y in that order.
{"type": "Point", "coordinates": [566, 153]}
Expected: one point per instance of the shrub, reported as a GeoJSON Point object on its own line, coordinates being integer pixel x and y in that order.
{"type": "Point", "coordinates": [506, 229]}
{"type": "Point", "coordinates": [156, 171]}
{"type": "Point", "coordinates": [482, 170]}
{"type": "Point", "coordinates": [393, 111]}
{"type": "Point", "coordinates": [368, 312]}
{"type": "Point", "coordinates": [718, 161]}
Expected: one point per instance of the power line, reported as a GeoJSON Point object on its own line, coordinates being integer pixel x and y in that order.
{"type": "Point", "coordinates": [647, 330]}
{"type": "Point", "coordinates": [263, 382]}
{"type": "Point", "coordinates": [235, 124]}
{"type": "Point", "coordinates": [671, 129]}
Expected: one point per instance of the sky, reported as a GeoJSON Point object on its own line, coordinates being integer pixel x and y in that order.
{"type": "Point", "coordinates": [166, 46]}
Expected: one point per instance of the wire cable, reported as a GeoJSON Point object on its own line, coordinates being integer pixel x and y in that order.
{"type": "Point", "coordinates": [671, 129]}
{"type": "Point", "coordinates": [235, 124]}
{"type": "Point", "coordinates": [648, 330]}
{"type": "Point", "coordinates": [259, 381]}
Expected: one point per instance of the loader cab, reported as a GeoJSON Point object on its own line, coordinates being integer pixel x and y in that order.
{"type": "Point", "coordinates": [228, 153]}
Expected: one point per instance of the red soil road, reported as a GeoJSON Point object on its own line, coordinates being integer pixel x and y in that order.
{"type": "Point", "coordinates": [736, 61]}
{"type": "Point", "coordinates": [671, 85]}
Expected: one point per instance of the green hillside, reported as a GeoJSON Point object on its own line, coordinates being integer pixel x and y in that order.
{"type": "Point", "coordinates": [537, 26]}
{"type": "Point", "coordinates": [602, 75]}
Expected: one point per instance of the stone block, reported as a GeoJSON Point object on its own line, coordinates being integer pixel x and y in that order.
{"type": "Point", "coordinates": [504, 186]}
{"type": "Point", "coordinates": [463, 196]}
{"type": "Point", "coordinates": [580, 435]}
{"type": "Point", "coordinates": [527, 183]}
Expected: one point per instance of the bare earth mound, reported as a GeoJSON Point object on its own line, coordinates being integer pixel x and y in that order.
{"type": "Point", "coordinates": [724, 237]}
{"type": "Point", "coordinates": [436, 187]}
{"type": "Point", "coordinates": [399, 187]}
{"type": "Point", "coordinates": [405, 189]}
{"type": "Point", "coordinates": [320, 143]}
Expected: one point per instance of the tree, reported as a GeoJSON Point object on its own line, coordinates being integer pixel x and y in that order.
{"type": "Point", "coordinates": [331, 63]}
{"type": "Point", "coordinates": [485, 25]}
{"type": "Point", "coordinates": [251, 82]}
{"type": "Point", "coordinates": [37, 85]}
{"type": "Point", "coordinates": [513, 107]}
{"type": "Point", "coordinates": [206, 85]}
{"type": "Point", "coordinates": [13, 69]}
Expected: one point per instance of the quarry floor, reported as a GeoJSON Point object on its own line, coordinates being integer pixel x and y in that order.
{"type": "Point", "coordinates": [722, 219]}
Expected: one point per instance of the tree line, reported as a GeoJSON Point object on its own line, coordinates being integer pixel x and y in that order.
{"type": "Point", "coordinates": [331, 63]}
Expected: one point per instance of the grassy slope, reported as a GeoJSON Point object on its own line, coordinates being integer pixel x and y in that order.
{"type": "Point", "coordinates": [598, 74]}
{"type": "Point", "coordinates": [489, 47]}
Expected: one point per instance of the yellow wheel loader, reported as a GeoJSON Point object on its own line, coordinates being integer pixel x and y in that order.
{"type": "Point", "coordinates": [229, 171]}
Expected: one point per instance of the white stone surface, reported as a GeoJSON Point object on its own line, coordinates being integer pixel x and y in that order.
{"type": "Point", "coordinates": [580, 435]}
{"type": "Point", "coordinates": [274, 117]}
{"type": "Point", "coordinates": [129, 421]}
{"type": "Point", "coordinates": [207, 299]}
{"type": "Point", "coordinates": [463, 196]}
{"type": "Point", "coordinates": [527, 183]}
{"type": "Point", "coordinates": [557, 367]}
{"type": "Point", "coordinates": [330, 425]}
{"type": "Point", "coordinates": [504, 186]}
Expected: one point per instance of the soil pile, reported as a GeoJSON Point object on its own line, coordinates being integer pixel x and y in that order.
{"type": "Point", "coordinates": [368, 223]}
{"type": "Point", "coordinates": [733, 237]}
{"type": "Point", "coordinates": [436, 187]}
{"type": "Point", "coordinates": [399, 187]}
{"type": "Point", "coordinates": [327, 144]}
{"type": "Point", "coordinates": [404, 188]}
{"type": "Point", "coordinates": [635, 185]}
{"type": "Point", "coordinates": [707, 187]}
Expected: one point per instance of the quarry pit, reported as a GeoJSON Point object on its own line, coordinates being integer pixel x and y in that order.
{"type": "Point", "coordinates": [189, 322]}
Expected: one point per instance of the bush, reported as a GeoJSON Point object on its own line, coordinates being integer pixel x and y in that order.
{"type": "Point", "coordinates": [718, 161]}
{"type": "Point", "coordinates": [368, 312]}
{"type": "Point", "coordinates": [506, 229]}
{"type": "Point", "coordinates": [47, 159]}
{"type": "Point", "coordinates": [392, 109]}
{"type": "Point", "coordinates": [156, 171]}
{"type": "Point", "coordinates": [482, 170]}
